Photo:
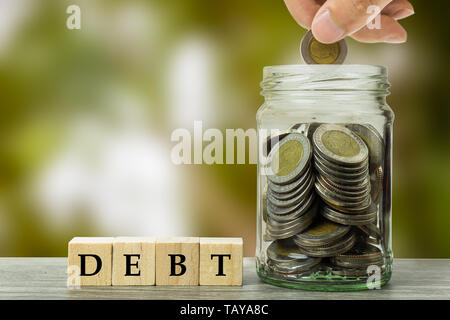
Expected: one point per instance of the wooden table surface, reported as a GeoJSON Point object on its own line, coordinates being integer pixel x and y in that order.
{"type": "Point", "coordinates": [45, 278]}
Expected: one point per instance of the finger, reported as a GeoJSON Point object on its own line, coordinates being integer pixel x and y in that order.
{"type": "Point", "coordinates": [303, 11]}
{"type": "Point", "coordinates": [399, 9]}
{"type": "Point", "coordinates": [339, 18]}
{"type": "Point", "coordinates": [390, 31]}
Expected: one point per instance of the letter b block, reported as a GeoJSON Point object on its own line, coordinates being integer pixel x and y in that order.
{"type": "Point", "coordinates": [90, 261]}
{"type": "Point", "coordinates": [221, 261]}
{"type": "Point", "coordinates": [177, 261]}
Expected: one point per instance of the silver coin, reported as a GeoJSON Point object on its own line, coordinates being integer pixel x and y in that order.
{"type": "Point", "coordinates": [341, 196]}
{"type": "Point", "coordinates": [321, 233]}
{"type": "Point", "coordinates": [294, 267]}
{"type": "Point", "coordinates": [375, 144]}
{"type": "Point", "coordinates": [350, 272]}
{"type": "Point", "coordinates": [371, 230]}
{"type": "Point", "coordinates": [271, 141]}
{"type": "Point", "coordinates": [362, 187]}
{"type": "Point", "coordinates": [299, 207]}
{"type": "Point", "coordinates": [289, 159]}
{"type": "Point", "coordinates": [361, 193]}
{"type": "Point", "coordinates": [352, 210]}
{"type": "Point", "coordinates": [363, 180]}
{"type": "Point", "coordinates": [345, 244]}
{"type": "Point", "coordinates": [341, 168]}
{"type": "Point", "coordinates": [284, 251]}
{"type": "Point", "coordinates": [354, 176]}
{"type": "Point", "coordinates": [330, 197]}
{"type": "Point", "coordinates": [348, 220]}
{"type": "Point", "coordinates": [282, 232]}
{"type": "Point", "coordinates": [314, 52]}
{"type": "Point", "coordinates": [293, 201]}
{"type": "Point", "coordinates": [370, 213]}
{"type": "Point", "coordinates": [302, 210]}
{"type": "Point", "coordinates": [292, 187]}
{"type": "Point", "coordinates": [373, 140]}
{"type": "Point", "coordinates": [340, 145]}
{"type": "Point", "coordinates": [360, 256]}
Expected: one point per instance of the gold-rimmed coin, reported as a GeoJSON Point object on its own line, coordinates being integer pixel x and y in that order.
{"type": "Point", "coordinates": [315, 52]}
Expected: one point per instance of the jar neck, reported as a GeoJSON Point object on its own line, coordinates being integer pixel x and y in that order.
{"type": "Point", "coordinates": [292, 83]}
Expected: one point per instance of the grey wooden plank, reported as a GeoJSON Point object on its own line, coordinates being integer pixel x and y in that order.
{"type": "Point", "coordinates": [45, 278]}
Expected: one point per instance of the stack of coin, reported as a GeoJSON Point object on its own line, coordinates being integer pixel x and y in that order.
{"type": "Point", "coordinates": [325, 238]}
{"type": "Point", "coordinates": [284, 256]}
{"type": "Point", "coordinates": [341, 160]}
{"type": "Point", "coordinates": [290, 189]}
{"type": "Point", "coordinates": [375, 144]}
{"type": "Point", "coordinates": [356, 261]}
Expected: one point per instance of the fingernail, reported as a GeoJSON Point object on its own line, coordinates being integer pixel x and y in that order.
{"type": "Point", "coordinates": [394, 39]}
{"type": "Point", "coordinates": [402, 14]}
{"type": "Point", "coordinates": [325, 30]}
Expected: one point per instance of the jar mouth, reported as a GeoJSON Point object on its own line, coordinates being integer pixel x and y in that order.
{"type": "Point", "coordinates": [331, 77]}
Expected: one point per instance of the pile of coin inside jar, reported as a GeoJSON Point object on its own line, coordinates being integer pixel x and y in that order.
{"type": "Point", "coordinates": [321, 200]}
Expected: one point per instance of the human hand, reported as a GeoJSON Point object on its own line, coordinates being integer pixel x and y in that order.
{"type": "Point", "coordinates": [333, 20]}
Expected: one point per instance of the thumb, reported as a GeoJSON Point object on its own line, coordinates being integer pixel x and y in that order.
{"type": "Point", "coordinates": [338, 18]}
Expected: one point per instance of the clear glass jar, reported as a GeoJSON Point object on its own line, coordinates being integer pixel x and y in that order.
{"type": "Point", "coordinates": [324, 177]}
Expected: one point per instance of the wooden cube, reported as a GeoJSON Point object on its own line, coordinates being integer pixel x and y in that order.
{"type": "Point", "coordinates": [221, 261]}
{"type": "Point", "coordinates": [177, 261]}
{"type": "Point", "coordinates": [133, 261]}
{"type": "Point", "coordinates": [90, 261]}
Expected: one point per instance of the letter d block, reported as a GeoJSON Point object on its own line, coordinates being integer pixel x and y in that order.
{"type": "Point", "coordinates": [133, 261]}
{"type": "Point", "coordinates": [221, 261]}
{"type": "Point", "coordinates": [177, 261]}
{"type": "Point", "coordinates": [90, 261]}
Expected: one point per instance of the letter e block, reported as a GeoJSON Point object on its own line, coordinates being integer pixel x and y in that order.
{"type": "Point", "coordinates": [90, 261]}
{"type": "Point", "coordinates": [133, 261]}
{"type": "Point", "coordinates": [221, 261]}
{"type": "Point", "coordinates": [177, 261]}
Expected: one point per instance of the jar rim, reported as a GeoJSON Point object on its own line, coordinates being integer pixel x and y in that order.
{"type": "Point", "coordinates": [362, 69]}
{"type": "Point", "coordinates": [288, 80]}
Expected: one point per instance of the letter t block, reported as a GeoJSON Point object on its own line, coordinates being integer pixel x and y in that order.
{"type": "Point", "coordinates": [221, 261]}
{"type": "Point", "coordinates": [177, 261]}
{"type": "Point", "coordinates": [90, 261]}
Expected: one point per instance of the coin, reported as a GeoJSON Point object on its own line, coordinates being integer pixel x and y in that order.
{"type": "Point", "coordinates": [358, 193]}
{"type": "Point", "coordinates": [289, 159]}
{"type": "Point", "coordinates": [340, 145]}
{"type": "Point", "coordinates": [284, 251]}
{"type": "Point", "coordinates": [272, 141]}
{"type": "Point", "coordinates": [292, 187]}
{"type": "Point", "coordinates": [283, 203]}
{"type": "Point", "coordinates": [343, 245]}
{"type": "Point", "coordinates": [371, 230]}
{"type": "Point", "coordinates": [340, 168]}
{"type": "Point", "coordinates": [315, 52]}
{"type": "Point", "coordinates": [348, 219]}
{"type": "Point", "coordinates": [294, 267]}
{"type": "Point", "coordinates": [321, 233]}
{"type": "Point", "coordinates": [361, 255]}
{"type": "Point", "coordinates": [283, 216]}
{"type": "Point", "coordinates": [375, 144]}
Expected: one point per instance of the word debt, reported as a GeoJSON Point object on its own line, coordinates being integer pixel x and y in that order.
{"type": "Point", "coordinates": [147, 261]}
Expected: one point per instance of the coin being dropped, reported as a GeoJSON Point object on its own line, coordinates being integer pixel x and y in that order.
{"type": "Point", "coordinates": [315, 52]}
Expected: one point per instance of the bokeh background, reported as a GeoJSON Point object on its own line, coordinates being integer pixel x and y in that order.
{"type": "Point", "coordinates": [86, 118]}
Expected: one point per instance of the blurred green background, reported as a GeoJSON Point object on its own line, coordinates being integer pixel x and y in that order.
{"type": "Point", "coordinates": [86, 118]}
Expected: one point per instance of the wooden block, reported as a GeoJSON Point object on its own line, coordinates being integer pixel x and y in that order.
{"type": "Point", "coordinates": [221, 261]}
{"type": "Point", "coordinates": [90, 261]}
{"type": "Point", "coordinates": [177, 261]}
{"type": "Point", "coordinates": [133, 261]}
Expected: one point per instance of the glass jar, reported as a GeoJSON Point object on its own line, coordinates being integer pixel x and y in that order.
{"type": "Point", "coordinates": [324, 177]}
